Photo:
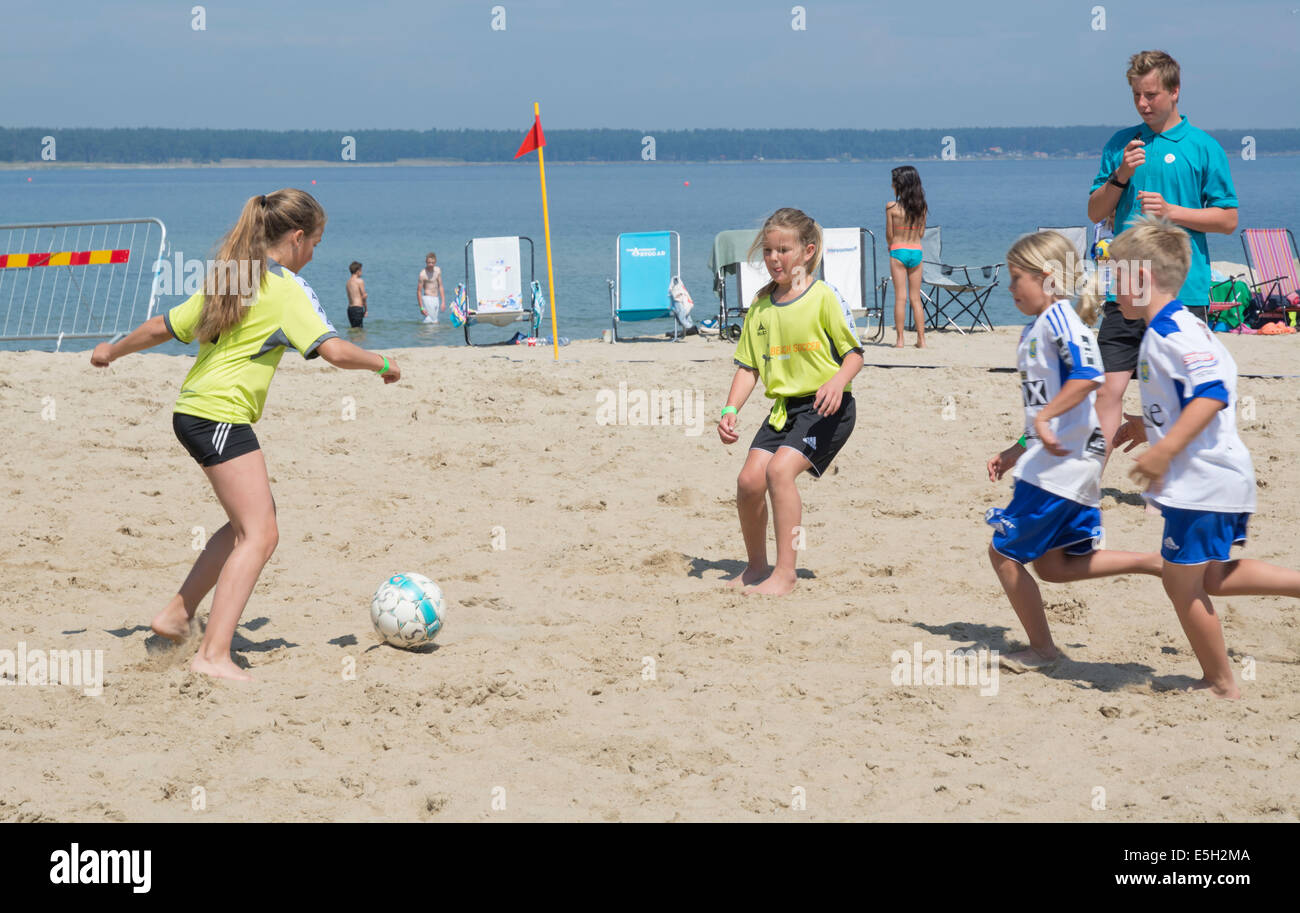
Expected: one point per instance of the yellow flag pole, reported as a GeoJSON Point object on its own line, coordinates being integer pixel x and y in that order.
{"type": "Point", "coordinates": [546, 222]}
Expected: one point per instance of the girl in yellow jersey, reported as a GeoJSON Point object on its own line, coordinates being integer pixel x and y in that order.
{"type": "Point", "coordinates": [253, 306]}
{"type": "Point", "coordinates": [797, 339]}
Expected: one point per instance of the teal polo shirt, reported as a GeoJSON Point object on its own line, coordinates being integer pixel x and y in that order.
{"type": "Point", "coordinates": [1185, 166]}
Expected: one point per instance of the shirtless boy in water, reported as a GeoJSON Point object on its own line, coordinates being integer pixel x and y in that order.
{"type": "Point", "coordinates": [356, 295]}
{"type": "Point", "coordinates": [428, 289]}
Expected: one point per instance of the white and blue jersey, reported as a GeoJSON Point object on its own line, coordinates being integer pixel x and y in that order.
{"type": "Point", "coordinates": [1180, 360]}
{"type": "Point", "coordinates": [1055, 348]}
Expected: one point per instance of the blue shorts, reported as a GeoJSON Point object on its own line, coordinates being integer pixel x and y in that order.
{"type": "Point", "coordinates": [1037, 521]}
{"type": "Point", "coordinates": [908, 256]}
{"type": "Point", "coordinates": [1198, 536]}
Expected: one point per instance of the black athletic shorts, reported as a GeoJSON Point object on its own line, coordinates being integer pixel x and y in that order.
{"type": "Point", "coordinates": [355, 314]}
{"type": "Point", "coordinates": [212, 442]}
{"type": "Point", "coordinates": [1119, 339]}
{"type": "Point", "coordinates": [817, 437]}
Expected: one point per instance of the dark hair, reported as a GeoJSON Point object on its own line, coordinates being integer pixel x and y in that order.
{"type": "Point", "coordinates": [264, 220]}
{"type": "Point", "coordinates": [354, 266]}
{"type": "Point", "coordinates": [911, 196]}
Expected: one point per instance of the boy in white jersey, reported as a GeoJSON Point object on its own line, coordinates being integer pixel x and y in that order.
{"type": "Point", "coordinates": [1054, 518]}
{"type": "Point", "coordinates": [1198, 471]}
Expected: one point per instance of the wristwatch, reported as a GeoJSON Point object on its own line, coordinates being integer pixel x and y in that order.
{"type": "Point", "coordinates": [1122, 185]}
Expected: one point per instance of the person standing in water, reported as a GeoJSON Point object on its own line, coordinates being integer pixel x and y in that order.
{"type": "Point", "coordinates": [429, 293]}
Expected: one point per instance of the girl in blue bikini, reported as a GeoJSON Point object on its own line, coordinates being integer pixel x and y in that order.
{"type": "Point", "coordinates": [904, 228]}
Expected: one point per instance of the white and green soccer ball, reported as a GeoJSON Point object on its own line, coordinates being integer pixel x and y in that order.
{"type": "Point", "coordinates": [407, 610]}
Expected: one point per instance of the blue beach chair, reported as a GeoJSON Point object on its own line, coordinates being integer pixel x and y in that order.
{"type": "Point", "coordinates": [645, 264]}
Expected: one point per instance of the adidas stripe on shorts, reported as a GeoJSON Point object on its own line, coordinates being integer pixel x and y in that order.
{"type": "Point", "coordinates": [212, 442]}
{"type": "Point", "coordinates": [818, 437]}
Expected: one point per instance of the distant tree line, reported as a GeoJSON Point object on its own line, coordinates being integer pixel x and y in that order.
{"type": "Point", "coordinates": [150, 145]}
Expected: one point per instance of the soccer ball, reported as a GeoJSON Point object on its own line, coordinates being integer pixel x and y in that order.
{"type": "Point", "coordinates": [407, 610]}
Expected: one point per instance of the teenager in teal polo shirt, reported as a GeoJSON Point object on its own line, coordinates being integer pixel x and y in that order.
{"type": "Point", "coordinates": [1163, 167]}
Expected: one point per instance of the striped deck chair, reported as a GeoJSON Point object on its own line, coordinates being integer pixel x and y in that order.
{"type": "Point", "coordinates": [1274, 265]}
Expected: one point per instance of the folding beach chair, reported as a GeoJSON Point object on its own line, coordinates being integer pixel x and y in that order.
{"type": "Point", "coordinates": [498, 284]}
{"type": "Point", "coordinates": [844, 268]}
{"type": "Point", "coordinates": [645, 265]}
{"type": "Point", "coordinates": [965, 288]}
{"type": "Point", "coordinates": [730, 257]}
{"type": "Point", "coordinates": [1272, 259]}
{"type": "Point", "coordinates": [1076, 235]}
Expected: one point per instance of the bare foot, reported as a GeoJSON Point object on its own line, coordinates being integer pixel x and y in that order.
{"type": "Point", "coordinates": [920, 343]}
{"type": "Point", "coordinates": [779, 583]}
{"type": "Point", "coordinates": [1228, 692]}
{"type": "Point", "coordinates": [220, 669]}
{"type": "Point", "coordinates": [900, 343]}
{"type": "Point", "coordinates": [1029, 660]}
{"type": "Point", "coordinates": [172, 622]}
{"type": "Point", "coordinates": [750, 576]}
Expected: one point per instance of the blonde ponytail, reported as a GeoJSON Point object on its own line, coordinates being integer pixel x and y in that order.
{"type": "Point", "coordinates": [239, 267]}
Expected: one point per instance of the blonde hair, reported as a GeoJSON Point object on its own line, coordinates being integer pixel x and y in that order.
{"type": "Point", "coordinates": [264, 220]}
{"type": "Point", "coordinates": [1143, 62]}
{"type": "Point", "coordinates": [1162, 244]}
{"type": "Point", "coordinates": [804, 228]}
{"type": "Point", "coordinates": [1049, 254]}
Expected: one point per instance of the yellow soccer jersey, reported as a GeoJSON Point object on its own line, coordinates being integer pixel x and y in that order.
{"type": "Point", "coordinates": [796, 346]}
{"type": "Point", "coordinates": [230, 377]}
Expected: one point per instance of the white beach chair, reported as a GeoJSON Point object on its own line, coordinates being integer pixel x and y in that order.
{"type": "Point", "coordinates": [1076, 235]}
{"type": "Point", "coordinates": [844, 268]}
{"type": "Point", "coordinates": [498, 284]}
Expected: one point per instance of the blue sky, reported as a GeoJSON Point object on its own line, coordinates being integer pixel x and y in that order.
{"type": "Point", "coordinates": [667, 64]}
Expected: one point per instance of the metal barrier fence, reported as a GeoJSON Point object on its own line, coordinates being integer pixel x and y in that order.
{"type": "Point", "coordinates": [78, 280]}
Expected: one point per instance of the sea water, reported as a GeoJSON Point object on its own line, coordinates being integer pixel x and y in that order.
{"type": "Point", "coordinates": [389, 217]}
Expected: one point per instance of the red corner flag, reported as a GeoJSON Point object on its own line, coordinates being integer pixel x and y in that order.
{"type": "Point", "coordinates": [535, 139]}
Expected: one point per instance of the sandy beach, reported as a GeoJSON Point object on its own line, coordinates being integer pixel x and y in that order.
{"type": "Point", "coordinates": [595, 668]}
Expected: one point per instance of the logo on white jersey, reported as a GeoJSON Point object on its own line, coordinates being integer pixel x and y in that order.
{"type": "Point", "coordinates": [1096, 443]}
{"type": "Point", "coordinates": [1033, 348]}
{"type": "Point", "coordinates": [1200, 361]}
{"type": "Point", "coordinates": [1034, 392]}
{"type": "Point", "coordinates": [1144, 370]}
